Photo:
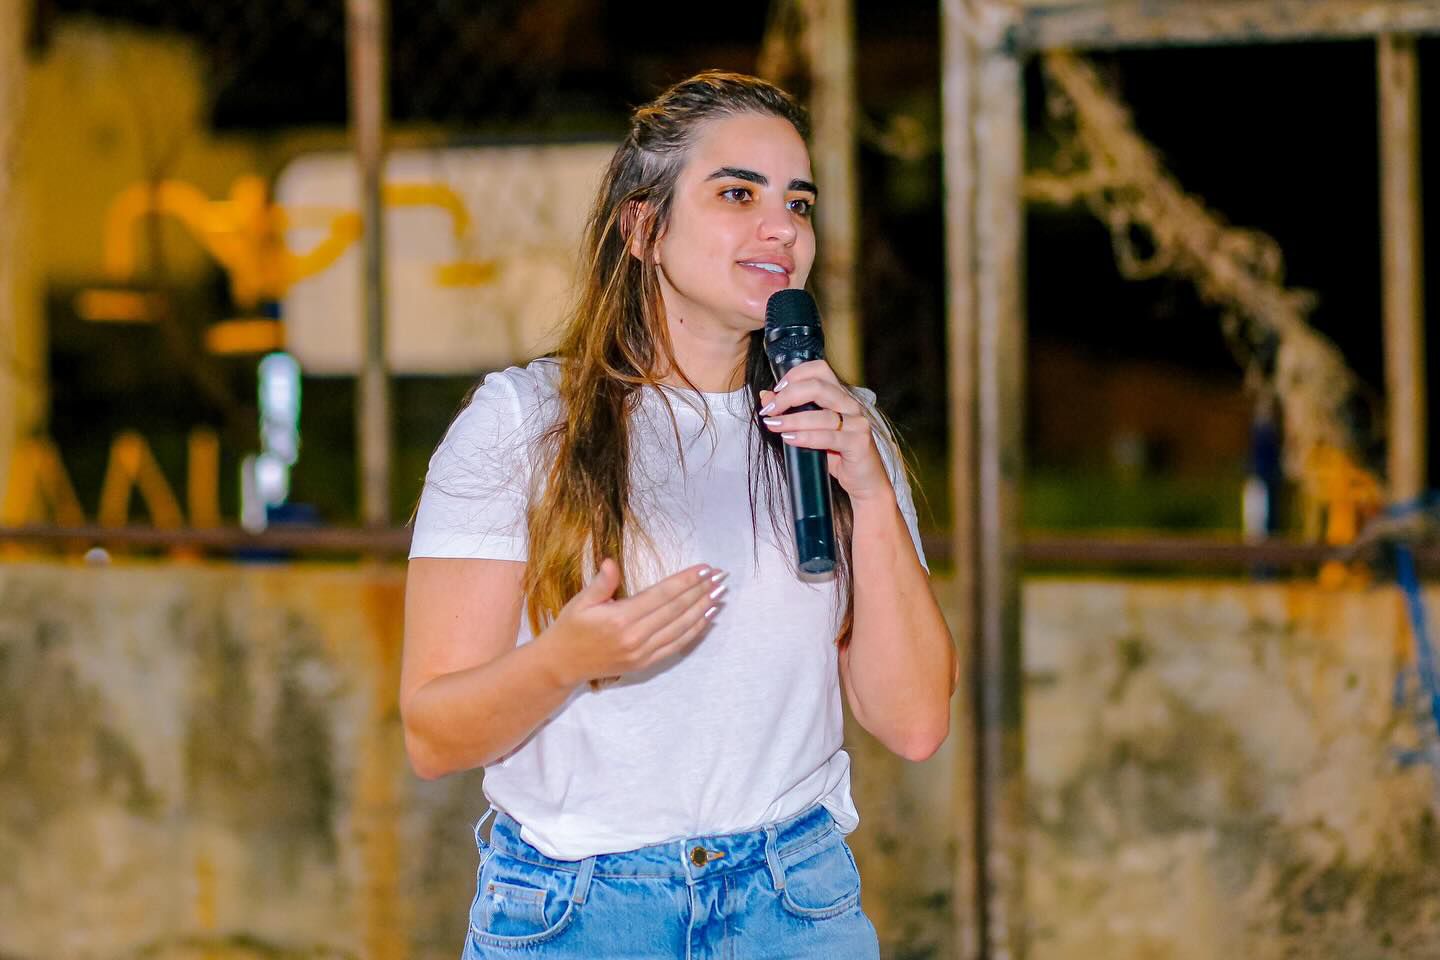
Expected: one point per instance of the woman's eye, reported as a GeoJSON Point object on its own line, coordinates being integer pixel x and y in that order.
{"type": "Point", "coordinates": [736, 194]}
{"type": "Point", "coordinates": [802, 206]}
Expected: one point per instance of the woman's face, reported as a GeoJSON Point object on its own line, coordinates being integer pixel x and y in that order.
{"type": "Point", "coordinates": [740, 225]}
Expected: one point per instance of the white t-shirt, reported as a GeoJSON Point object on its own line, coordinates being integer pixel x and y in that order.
{"type": "Point", "coordinates": [744, 727]}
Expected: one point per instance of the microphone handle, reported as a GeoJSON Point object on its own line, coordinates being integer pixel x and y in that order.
{"type": "Point", "coordinates": [808, 473]}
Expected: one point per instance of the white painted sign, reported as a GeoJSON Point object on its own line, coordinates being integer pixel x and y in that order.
{"type": "Point", "coordinates": [481, 245]}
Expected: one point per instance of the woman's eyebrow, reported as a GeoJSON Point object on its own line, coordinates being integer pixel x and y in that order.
{"type": "Point", "coordinates": [740, 173]}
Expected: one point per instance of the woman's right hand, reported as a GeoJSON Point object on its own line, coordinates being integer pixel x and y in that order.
{"type": "Point", "coordinates": [596, 636]}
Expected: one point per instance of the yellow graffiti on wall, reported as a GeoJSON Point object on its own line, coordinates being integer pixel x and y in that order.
{"type": "Point", "coordinates": [1343, 496]}
{"type": "Point", "coordinates": [133, 468]}
{"type": "Point", "coordinates": [39, 490]}
{"type": "Point", "coordinates": [245, 233]}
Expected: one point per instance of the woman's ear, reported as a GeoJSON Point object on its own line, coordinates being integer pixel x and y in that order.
{"type": "Point", "coordinates": [634, 224]}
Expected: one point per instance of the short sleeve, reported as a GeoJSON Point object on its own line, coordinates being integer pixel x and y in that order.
{"type": "Point", "coordinates": [476, 490]}
{"type": "Point", "coordinates": [893, 466]}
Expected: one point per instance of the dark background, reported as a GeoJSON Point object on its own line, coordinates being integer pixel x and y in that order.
{"type": "Point", "coordinates": [1279, 138]}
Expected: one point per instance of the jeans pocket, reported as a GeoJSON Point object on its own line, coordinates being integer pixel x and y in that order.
{"type": "Point", "coordinates": [821, 879]}
{"type": "Point", "coordinates": [519, 903]}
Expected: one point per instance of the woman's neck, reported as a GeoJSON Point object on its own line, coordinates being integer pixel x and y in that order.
{"type": "Point", "coordinates": [712, 357]}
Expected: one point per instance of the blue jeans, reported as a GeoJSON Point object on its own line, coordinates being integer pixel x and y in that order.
{"type": "Point", "coordinates": [787, 889]}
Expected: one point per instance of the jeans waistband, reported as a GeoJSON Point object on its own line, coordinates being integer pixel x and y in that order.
{"type": "Point", "coordinates": [690, 859]}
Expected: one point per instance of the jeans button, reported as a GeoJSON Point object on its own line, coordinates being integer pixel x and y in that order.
{"type": "Point", "coordinates": [698, 856]}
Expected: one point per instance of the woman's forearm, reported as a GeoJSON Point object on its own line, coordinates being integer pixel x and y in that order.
{"type": "Point", "coordinates": [901, 662]}
{"type": "Point", "coordinates": [466, 719]}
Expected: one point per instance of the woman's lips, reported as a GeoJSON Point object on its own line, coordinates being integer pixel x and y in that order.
{"type": "Point", "coordinates": [772, 272]}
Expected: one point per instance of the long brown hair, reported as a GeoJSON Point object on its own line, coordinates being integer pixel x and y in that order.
{"type": "Point", "coordinates": [615, 343]}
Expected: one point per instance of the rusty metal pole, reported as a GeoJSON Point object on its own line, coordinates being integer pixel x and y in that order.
{"type": "Point", "coordinates": [1078, 25]}
{"type": "Point", "coordinates": [1398, 71]}
{"type": "Point", "coordinates": [22, 378]}
{"type": "Point", "coordinates": [365, 29]}
{"type": "Point", "coordinates": [958, 112]}
{"type": "Point", "coordinates": [830, 36]}
{"type": "Point", "coordinates": [1000, 352]}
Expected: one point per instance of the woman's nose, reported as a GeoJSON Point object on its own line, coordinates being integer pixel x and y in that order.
{"type": "Point", "coordinates": [777, 225]}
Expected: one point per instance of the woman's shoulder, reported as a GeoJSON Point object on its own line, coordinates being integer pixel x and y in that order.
{"type": "Point", "coordinates": [505, 411]}
{"type": "Point", "coordinates": [514, 396]}
{"type": "Point", "coordinates": [532, 385]}
{"type": "Point", "coordinates": [476, 486]}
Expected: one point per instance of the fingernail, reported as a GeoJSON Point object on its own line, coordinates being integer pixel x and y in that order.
{"type": "Point", "coordinates": [787, 436]}
{"type": "Point", "coordinates": [781, 385]}
{"type": "Point", "coordinates": [773, 421]}
{"type": "Point", "coordinates": [719, 576]}
{"type": "Point", "coordinates": [715, 594]}
{"type": "Point", "coordinates": [703, 572]}
{"type": "Point", "coordinates": [767, 408]}
{"type": "Point", "coordinates": [711, 612]}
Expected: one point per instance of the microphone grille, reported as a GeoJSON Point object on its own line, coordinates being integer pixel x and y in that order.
{"type": "Point", "coordinates": [791, 308]}
{"type": "Point", "coordinates": [800, 344]}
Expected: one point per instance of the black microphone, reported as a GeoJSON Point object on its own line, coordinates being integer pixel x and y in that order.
{"type": "Point", "coordinates": [793, 336]}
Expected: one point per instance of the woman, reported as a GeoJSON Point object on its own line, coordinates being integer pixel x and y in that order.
{"type": "Point", "coordinates": [602, 607]}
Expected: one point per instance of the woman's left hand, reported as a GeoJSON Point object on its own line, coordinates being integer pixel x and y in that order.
{"type": "Point", "coordinates": [839, 427]}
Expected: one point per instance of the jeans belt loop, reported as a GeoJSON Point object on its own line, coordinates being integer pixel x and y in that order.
{"type": "Point", "coordinates": [772, 856]}
{"type": "Point", "coordinates": [582, 880]}
{"type": "Point", "coordinates": [479, 842]}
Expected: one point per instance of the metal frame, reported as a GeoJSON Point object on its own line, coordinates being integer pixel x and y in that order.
{"type": "Point", "coordinates": [984, 44]}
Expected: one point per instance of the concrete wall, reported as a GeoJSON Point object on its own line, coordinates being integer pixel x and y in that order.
{"type": "Point", "coordinates": [205, 762]}
{"type": "Point", "coordinates": [1212, 773]}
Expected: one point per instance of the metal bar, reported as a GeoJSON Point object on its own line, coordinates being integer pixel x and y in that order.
{"type": "Point", "coordinates": [24, 368]}
{"type": "Point", "coordinates": [382, 540]}
{"type": "Point", "coordinates": [1180, 553]}
{"type": "Point", "coordinates": [1398, 74]}
{"type": "Point", "coordinates": [958, 112]}
{"type": "Point", "coordinates": [958, 108]}
{"type": "Point", "coordinates": [999, 219]}
{"type": "Point", "coordinates": [1177, 554]}
{"type": "Point", "coordinates": [830, 31]}
{"type": "Point", "coordinates": [1108, 24]}
{"type": "Point", "coordinates": [366, 44]}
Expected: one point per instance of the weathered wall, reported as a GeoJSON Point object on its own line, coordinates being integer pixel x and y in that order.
{"type": "Point", "coordinates": [1212, 774]}
{"type": "Point", "coordinates": [205, 762]}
